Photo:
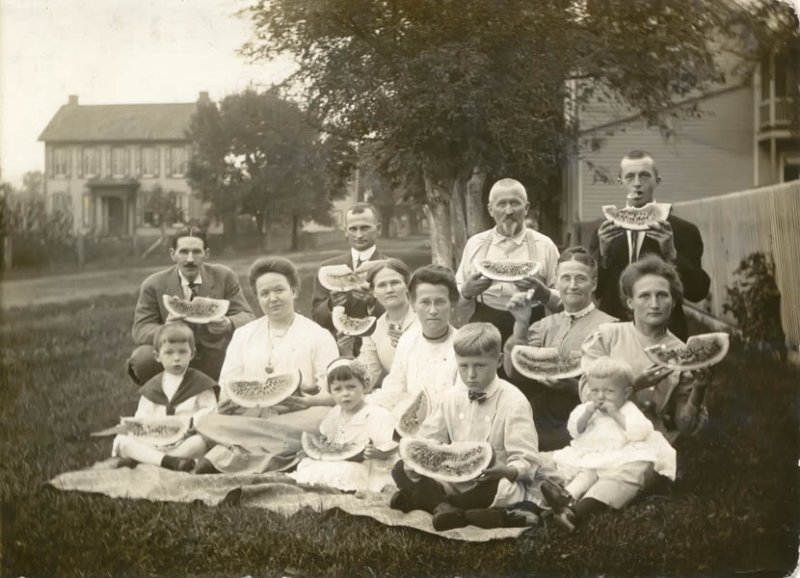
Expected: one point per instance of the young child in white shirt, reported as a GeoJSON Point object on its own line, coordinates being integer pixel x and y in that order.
{"type": "Point", "coordinates": [613, 451]}
{"type": "Point", "coordinates": [178, 390]}
{"type": "Point", "coordinates": [353, 419]}
{"type": "Point", "coordinates": [481, 407]}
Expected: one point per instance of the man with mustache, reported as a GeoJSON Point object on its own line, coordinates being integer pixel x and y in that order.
{"type": "Point", "coordinates": [509, 239]}
{"type": "Point", "coordinates": [190, 277]}
{"type": "Point", "coordinates": [675, 240]}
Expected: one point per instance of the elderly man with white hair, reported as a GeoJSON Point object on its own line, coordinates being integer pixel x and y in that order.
{"type": "Point", "coordinates": [508, 239]}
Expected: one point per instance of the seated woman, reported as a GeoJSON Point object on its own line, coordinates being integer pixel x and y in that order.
{"type": "Point", "coordinates": [576, 280]}
{"type": "Point", "coordinates": [389, 284]}
{"type": "Point", "coordinates": [672, 401]}
{"type": "Point", "coordinates": [425, 359]}
{"type": "Point", "coordinates": [259, 440]}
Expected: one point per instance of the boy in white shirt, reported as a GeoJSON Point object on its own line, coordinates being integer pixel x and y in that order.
{"type": "Point", "coordinates": [178, 390]}
{"type": "Point", "coordinates": [481, 407]}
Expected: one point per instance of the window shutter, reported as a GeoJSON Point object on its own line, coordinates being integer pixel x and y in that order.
{"type": "Point", "coordinates": [168, 164]}
{"type": "Point", "coordinates": [126, 162]}
{"type": "Point", "coordinates": [107, 154]}
{"type": "Point", "coordinates": [48, 161]}
{"type": "Point", "coordinates": [137, 161]}
{"type": "Point", "coordinates": [79, 166]}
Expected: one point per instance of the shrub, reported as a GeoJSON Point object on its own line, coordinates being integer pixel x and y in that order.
{"type": "Point", "coordinates": [37, 238]}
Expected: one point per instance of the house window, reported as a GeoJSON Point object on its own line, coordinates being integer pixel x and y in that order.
{"type": "Point", "coordinates": [178, 158]}
{"type": "Point", "coordinates": [61, 162]}
{"type": "Point", "coordinates": [91, 162]}
{"type": "Point", "coordinates": [62, 203]}
{"type": "Point", "coordinates": [150, 162]}
{"type": "Point", "coordinates": [87, 210]}
{"type": "Point", "coordinates": [119, 162]}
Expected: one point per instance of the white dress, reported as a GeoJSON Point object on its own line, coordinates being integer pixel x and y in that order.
{"type": "Point", "coordinates": [377, 351]}
{"type": "Point", "coordinates": [370, 422]}
{"type": "Point", "coordinates": [604, 445]}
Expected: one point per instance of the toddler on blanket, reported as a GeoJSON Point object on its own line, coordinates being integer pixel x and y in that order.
{"type": "Point", "coordinates": [178, 390]}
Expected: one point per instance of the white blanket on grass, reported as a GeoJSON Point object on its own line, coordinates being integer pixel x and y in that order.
{"type": "Point", "coordinates": [275, 492]}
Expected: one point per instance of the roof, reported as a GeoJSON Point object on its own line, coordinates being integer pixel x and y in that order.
{"type": "Point", "coordinates": [119, 122]}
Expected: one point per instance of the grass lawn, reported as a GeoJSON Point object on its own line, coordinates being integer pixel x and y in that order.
{"type": "Point", "coordinates": [734, 510]}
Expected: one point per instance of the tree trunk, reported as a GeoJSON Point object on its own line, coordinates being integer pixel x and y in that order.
{"type": "Point", "coordinates": [458, 216]}
{"type": "Point", "coordinates": [475, 207]}
{"type": "Point", "coordinates": [296, 222]}
{"type": "Point", "coordinates": [438, 212]}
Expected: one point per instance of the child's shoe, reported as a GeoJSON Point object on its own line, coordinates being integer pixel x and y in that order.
{"type": "Point", "coordinates": [127, 463]}
{"type": "Point", "coordinates": [177, 464]}
{"type": "Point", "coordinates": [400, 501]}
{"type": "Point", "coordinates": [486, 517]}
{"type": "Point", "coordinates": [447, 517]}
{"type": "Point", "coordinates": [556, 496]}
{"type": "Point", "coordinates": [566, 519]}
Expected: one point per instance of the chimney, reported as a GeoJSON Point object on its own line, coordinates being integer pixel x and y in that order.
{"type": "Point", "coordinates": [73, 100]}
{"type": "Point", "coordinates": [203, 98]}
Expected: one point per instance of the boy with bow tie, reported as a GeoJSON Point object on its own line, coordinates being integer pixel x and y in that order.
{"type": "Point", "coordinates": [482, 407]}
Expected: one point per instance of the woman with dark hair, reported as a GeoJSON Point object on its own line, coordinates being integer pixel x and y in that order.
{"type": "Point", "coordinates": [553, 400]}
{"type": "Point", "coordinates": [425, 359]}
{"type": "Point", "coordinates": [389, 285]}
{"type": "Point", "coordinates": [257, 440]}
{"type": "Point", "coordinates": [673, 401]}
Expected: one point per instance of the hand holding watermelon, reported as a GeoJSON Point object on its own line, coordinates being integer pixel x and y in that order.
{"type": "Point", "coordinates": [606, 234]}
{"type": "Point", "coordinates": [520, 307]}
{"type": "Point", "coordinates": [650, 377]}
{"type": "Point", "coordinates": [662, 232]}
{"type": "Point", "coordinates": [475, 285]}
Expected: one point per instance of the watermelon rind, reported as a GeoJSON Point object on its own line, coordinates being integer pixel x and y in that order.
{"type": "Point", "coordinates": [265, 392]}
{"type": "Point", "coordinates": [507, 270]}
{"type": "Point", "coordinates": [637, 219]}
{"type": "Point", "coordinates": [317, 447]}
{"type": "Point", "coordinates": [412, 414]}
{"type": "Point", "coordinates": [199, 310]}
{"type": "Point", "coordinates": [342, 278]}
{"type": "Point", "coordinates": [453, 463]}
{"type": "Point", "coordinates": [541, 363]}
{"type": "Point", "coordinates": [355, 326]}
{"type": "Point", "coordinates": [700, 351]}
{"type": "Point", "coordinates": [158, 431]}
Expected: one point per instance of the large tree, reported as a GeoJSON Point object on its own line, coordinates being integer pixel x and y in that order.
{"type": "Point", "coordinates": [453, 90]}
{"type": "Point", "coordinates": [257, 153]}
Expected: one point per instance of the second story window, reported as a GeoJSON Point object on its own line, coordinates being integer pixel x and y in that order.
{"type": "Point", "coordinates": [91, 162]}
{"type": "Point", "coordinates": [150, 162]}
{"type": "Point", "coordinates": [119, 162]}
{"type": "Point", "coordinates": [61, 162]}
{"type": "Point", "coordinates": [177, 161]}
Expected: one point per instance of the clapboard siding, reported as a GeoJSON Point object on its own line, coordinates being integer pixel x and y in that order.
{"type": "Point", "coordinates": [704, 157]}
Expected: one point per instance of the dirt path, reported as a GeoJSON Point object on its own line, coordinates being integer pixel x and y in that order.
{"type": "Point", "coordinates": [89, 285]}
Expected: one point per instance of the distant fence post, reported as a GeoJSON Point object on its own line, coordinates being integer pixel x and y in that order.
{"type": "Point", "coordinates": [80, 249]}
{"type": "Point", "coordinates": [7, 253]}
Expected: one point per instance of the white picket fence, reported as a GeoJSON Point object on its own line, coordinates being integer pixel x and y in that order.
{"type": "Point", "coordinates": [738, 224]}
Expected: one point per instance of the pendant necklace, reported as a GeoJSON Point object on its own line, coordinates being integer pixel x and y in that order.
{"type": "Point", "coordinates": [269, 368]}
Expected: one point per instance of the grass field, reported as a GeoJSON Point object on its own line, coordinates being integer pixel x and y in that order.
{"type": "Point", "coordinates": [735, 510]}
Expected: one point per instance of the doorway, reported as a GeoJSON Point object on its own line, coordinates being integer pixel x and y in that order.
{"type": "Point", "coordinates": [115, 215]}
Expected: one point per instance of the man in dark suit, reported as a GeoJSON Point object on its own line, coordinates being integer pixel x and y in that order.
{"type": "Point", "coordinates": [190, 277]}
{"type": "Point", "coordinates": [675, 240]}
{"type": "Point", "coordinates": [362, 229]}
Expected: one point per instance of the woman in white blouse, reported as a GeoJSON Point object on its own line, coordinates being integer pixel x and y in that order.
{"type": "Point", "coordinates": [258, 440]}
{"type": "Point", "coordinates": [389, 285]}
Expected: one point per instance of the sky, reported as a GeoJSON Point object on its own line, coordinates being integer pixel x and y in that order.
{"type": "Point", "coordinates": [111, 52]}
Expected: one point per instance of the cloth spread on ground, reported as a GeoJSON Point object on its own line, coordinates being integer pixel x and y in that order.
{"type": "Point", "coordinates": [275, 492]}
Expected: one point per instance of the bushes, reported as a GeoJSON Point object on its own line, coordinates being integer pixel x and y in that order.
{"type": "Point", "coordinates": [37, 238]}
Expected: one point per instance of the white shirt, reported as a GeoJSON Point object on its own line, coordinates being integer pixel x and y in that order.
{"type": "Point", "coordinates": [361, 255]}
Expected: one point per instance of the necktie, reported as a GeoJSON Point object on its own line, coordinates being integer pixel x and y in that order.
{"type": "Point", "coordinates": [192, 290]}
{"type": "Point", "coordinates": [358, 261]}
{"type": "Point", "coordinates": [634, 246]}
{"type": "Point", "coordinates": [479, 396]}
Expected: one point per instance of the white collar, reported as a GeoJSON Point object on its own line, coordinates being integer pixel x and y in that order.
{"type": "Point", "coordinates": [185, 281]}
{"type": "Point", "coordinates": [582, 313]}
{"type": "Point", "coordinates": [364, 255]}
{"type": "Point", "coordinates": [517, 239]}
{"type": "Point", "coordinates": [489, 391]}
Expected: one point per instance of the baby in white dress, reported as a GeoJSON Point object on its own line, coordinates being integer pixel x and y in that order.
{"type": "Point", "coordinates": [613, 451]}
{"type": "Point", "coordinates": [353, 419]}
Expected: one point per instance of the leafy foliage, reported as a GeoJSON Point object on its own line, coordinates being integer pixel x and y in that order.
{"type": "Point", "coordinates": [755, 302]}
{"type": "Point", "coordinates": [257, 153]}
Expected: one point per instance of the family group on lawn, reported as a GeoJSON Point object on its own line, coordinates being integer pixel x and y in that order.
{"type": "Point", "coordinates": [573, 446]}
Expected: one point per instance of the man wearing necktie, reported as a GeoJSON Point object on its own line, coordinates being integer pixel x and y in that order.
{"type": "Point", "coordinates": [675, 240]}
{"type": "Point", "coordinates": [190, 277]}
{"type": "Point", "coordinates": [362, 229]}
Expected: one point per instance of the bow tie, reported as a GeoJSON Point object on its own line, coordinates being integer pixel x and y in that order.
{"type": "Point", "coordinates": [479, 396]}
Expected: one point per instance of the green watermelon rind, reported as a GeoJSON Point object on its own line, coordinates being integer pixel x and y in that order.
{"type": "Point", "coordinates": [317, 447]}
{"type": "Point", "coordinates": [412, 415]}
{"type": "Point", "coordinates": [443, 461]}
{"type": "Point", "coordinates": [713, 346]}
{"type": "Point", "coordinates": [341, 320]}
{"type": "Point", "coordinates": [160, 431]}
{"type": "Point", "coordinates": [522, 358]}
{"type": "Point", "coordinates": [220, 308]}
{"type": "Point", "coordinates": [654, 212]}
{"type": "Point", "coordinates": [281, 390]}
{"type": "Point", "coordinates": [485, 268]}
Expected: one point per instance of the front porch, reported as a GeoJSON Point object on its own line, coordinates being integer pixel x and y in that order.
{"type": "Point", "coordinates": [111, 209]}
